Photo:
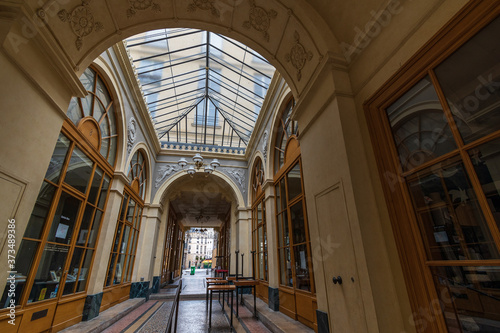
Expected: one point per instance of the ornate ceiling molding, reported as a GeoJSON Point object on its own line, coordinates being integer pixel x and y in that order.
{"type": "Point", "coordinates": [298, 55]}
{"type": "Point", "coordinates": [260, 19]}
{"type": "Point", "coordinates": [136, 5]}
{"type": "Point", "coordinates": [81, 20]}
{"type": "Point", "coordinates": [204, 5]}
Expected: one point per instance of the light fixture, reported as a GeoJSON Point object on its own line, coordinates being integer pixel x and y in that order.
{"type": "Point", "coordinates": [199, 219]}
{"type": "Point", "coordinates": [198, 163]}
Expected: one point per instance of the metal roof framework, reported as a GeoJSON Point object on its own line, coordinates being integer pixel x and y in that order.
{"type": "Point", "coordinates": [201, 88]}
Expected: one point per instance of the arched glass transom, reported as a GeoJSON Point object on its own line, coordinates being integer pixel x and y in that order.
{"type": "Point", "coordinates": [94, 115]}
{"type": "Point", "coordinates": [137, 174]}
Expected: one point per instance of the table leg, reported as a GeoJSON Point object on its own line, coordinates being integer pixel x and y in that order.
{"type": "Point", "coordinates": [207, 297]}
{"type": "Point", "coordinates": [223, 299]}
{"type": "Point", "coordinates": [210, 314]}
{"type": "Point", "coordinates": [254, 302]}
{"type": "Point", "coordinates": [241, 297]}
{"type": "Point", "coordinates": [237, 307]}
{"type": "Point", "coordinates": [231, 310]}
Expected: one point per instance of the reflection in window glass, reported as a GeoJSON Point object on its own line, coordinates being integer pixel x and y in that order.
{"type": "Point", "coordinates": [84, 270]}
{"type": "Point", "coordinates": [49, 273]}
{"type": "Point", "coordinates": [79, 170]}
{"type": "Point", "coordinates": [472, 91]}
{"type": "Point", "coordinates": [294, 182]}
{"type": "Point", "coordinates": [486, 161]}
{"type": "Point", "coordinates": [72, 275]}
{"type": "Point", "coordinates": [419, 126]}
{"type": "Point", "coordinates": [24, 259]}
{"type": "Point", "coordinates": [40, 211]}
{"type": "Point", "coordinates": [64, 219]}
{"type": "Point", "coordinates": [469, 297]}
{"type": "Point", "coordinates": [302, 267]}
{"type": "Point", "coordinates": [57, 159]}
{"type": "Point", "coordinates": [451, 222]}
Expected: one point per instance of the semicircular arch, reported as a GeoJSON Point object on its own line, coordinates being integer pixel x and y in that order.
{"type": "Point", "coordinates": [142, 147]}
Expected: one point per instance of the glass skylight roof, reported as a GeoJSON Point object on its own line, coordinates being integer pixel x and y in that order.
{"type": "Point", "coordinates": [201, 88]}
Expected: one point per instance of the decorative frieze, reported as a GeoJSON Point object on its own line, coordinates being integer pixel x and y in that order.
{"type": "Point", "coordinates": [164, 172]}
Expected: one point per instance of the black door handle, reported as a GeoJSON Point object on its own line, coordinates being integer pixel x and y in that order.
{"type": "Point", "coordinates": [337, 279]}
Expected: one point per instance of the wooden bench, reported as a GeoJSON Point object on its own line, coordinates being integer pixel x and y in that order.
{"type": "Point", "coordinates": [220, 289]}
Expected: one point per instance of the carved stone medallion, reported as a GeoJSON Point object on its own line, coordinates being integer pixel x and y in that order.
{"type": "Point", "coordinates": [131, 133]}
{"type": "Point", "coordinates": [298, 55]}
{"type": "Point", "coordinates": [82, 22]}
{"type": "Point", "coordinates": [260, 19]}
{"type": "Point", "coordinates": [204, 5]}
{"type": "Point", "coordinates": [136, 5]}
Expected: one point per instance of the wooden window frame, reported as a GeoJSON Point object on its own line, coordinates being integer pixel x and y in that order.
{"type": "Point", "coordinates": [422, 293]}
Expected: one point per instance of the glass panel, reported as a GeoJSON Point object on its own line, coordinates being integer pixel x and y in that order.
{"type": "Point", "coordinates": [486, 160]}
{"type": "Point", "coordinates": [95, 229]}
{"type": "Point", "coordinates": [286, 234]}
{"type": "Point", "coordinates": [130, 210]}
{"type": "Point", "coordinates": [79, 170]}
{"type": "Point", "coordinates": [111, 269]}
{"type": "Point", "coordinates": [302, 267]}
{"type": "Point", "coordinates": [259, 213]}
{"type": "Point", "coordinates": [138, 215]}
{"type": "Point", "coordinates": [74, 267]}
{"type": "Point", "coordinates": [286, 267]}
{"type": "Point", "coordinates": [283, 194]}
{"type": "Point", "coordinates": [278, 199]}
{"type": "Point", "coordinates": [84, 271]}
{"type": "Point", "coordinates": [104, 125]}
{"type": "Point", "coordinates": [85, 225]}
{"type": "Point", "coordinates": [265, 266]}
{"type": "Point", "coordinates": [99, 111]}
{"type": "Point", "coordinates": [298, 226]}
{"type": "Point", "coordinates": [87, 102]}
{"type": "Point", "coordinates": [261, 241]}
{"type": "Point", "coordinates": [112, 150]}
{"type": "Point", "coordinates": [118, 234]}
{"type": "Point", "coordinates": [64, 219]}
{"type": "Point", "coordinates": [104, 147]}
{"type": "Point", "coordinates": [40, 211]}
{"type": "Point", "coordinates": [74, 112]}
{"type": "Point", "coordinates": [96, 182]}
{"type": "Point", "coordinates": [125, 238]}
{"type": "Point", "coordinates": [294, 182]}
{"type": "Point", "coordinates": [419, 126]}
{"type": "Point", "coordinates": [470, 81]}
{"type": "Point", "coordinates": [49, 273]}
{"type": "Point", "coordinates": [119, 269]}
{"type": "Point", "coordinates": [261, 266]}
{"type": "Point", "coordinates": [451, 222]}
{"type": "Point", "coordinates": [104, 192]}
{"type": "Point", "coordinates": [24, 259]}
{"type": "Point", "coordinates": [102, 92]}
{"type": "Point", "coordinates": [469, 297]}
{"type": "Point", "coordinates": [88, 79]}
{"type": "Point", "coordinates": [57, 159]}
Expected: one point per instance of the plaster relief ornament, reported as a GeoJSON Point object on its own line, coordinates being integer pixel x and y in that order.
{"type": "Point", "coordinates": [238, 176]}
{"type": "Point", "coordinates": [298, 55]}
{"type": "Point", "coordinates": [131, 133]}
{"type": "Point", "coordinates": [164, 172]}
{"type": "Point", "coordinates": [204, 5]}
{"type": "Point", "coordinates": [136, 5]}
{"type": "Point", "coordinates": [264, 144]}
{"type": "Point", "coordinates": [82, 21]}
{"type": "Point", "coordinates": [260, 19]}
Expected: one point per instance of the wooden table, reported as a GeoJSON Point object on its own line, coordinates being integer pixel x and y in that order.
{"type": "Point", "coordinates": [214, 281]}
{"type": "Point", "coordinates": [220, 289]}
{"type": "Point", "coordinates": [240, 284]}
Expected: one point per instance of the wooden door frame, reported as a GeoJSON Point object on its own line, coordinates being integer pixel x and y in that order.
{"type": "Point", "coordinates": [418, 279]}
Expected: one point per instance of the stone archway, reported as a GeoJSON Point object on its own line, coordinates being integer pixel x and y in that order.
{"type": "Point", "coordinates": [291, 36]}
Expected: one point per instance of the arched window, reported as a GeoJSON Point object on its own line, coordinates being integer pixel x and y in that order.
{"type": "Point", "coordinates": [94, 115]}
{"type": "Point", "coordinates": [57, 250]}
{"type": "Point", "coordinates": [259, 231]}
{"type": "Point", "coordinates": [123, 251]}
{"type": "Point", "coordinates": [294, 246]}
